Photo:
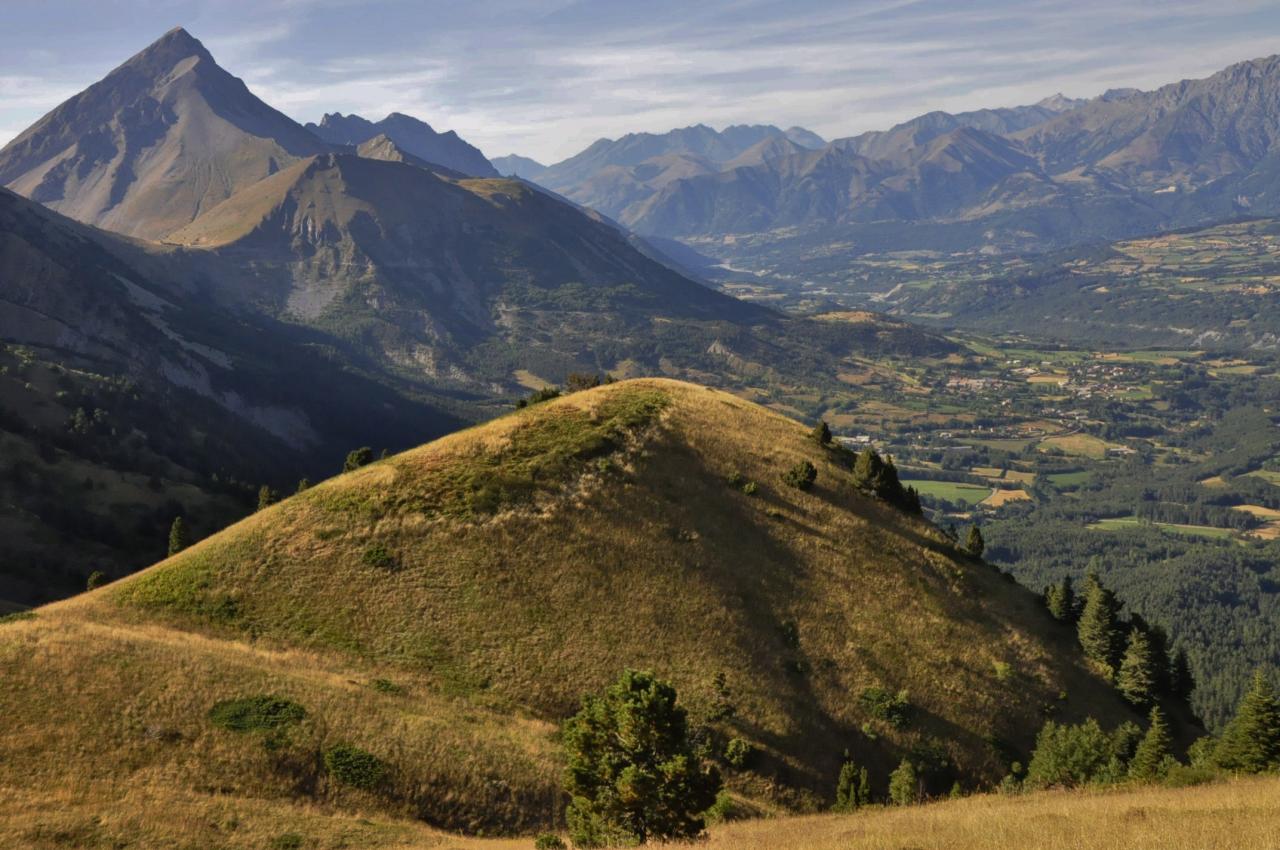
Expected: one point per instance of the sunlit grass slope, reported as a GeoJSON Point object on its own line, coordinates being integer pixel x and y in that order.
{"type": "Point", "coordinates": [445, 608]}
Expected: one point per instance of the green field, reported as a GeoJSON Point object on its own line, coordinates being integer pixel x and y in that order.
{"type": "Point", "coordinates": [1067, 480]}
{"type": "Point", "coordinates": [1126, 523]}
{"type": "Point", "coordinates": [1270, 476]}
{"type": "Point", "coordinates": [951, 491]}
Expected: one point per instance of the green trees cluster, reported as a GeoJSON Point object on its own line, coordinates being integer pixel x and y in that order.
{"type": "Point", "coordinates": [853, 787]}
{"type": "Point", "coordinates": [879, 476]}
{"type": "Point", "coordinates": [1134, 653]}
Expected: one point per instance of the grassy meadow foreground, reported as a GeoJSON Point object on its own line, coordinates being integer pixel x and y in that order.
{"type": "Point", "coordinates": [403, 641]}
{"type": "Point", "coordinates": [1234, 815]}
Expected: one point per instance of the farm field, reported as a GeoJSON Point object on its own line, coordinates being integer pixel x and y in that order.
{"type": "Point", "coordinates": [951, 491]}
{"type": "Point", "coordinates": [1125, 523]}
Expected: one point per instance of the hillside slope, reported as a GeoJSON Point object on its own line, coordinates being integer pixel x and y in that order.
{"type": "Point", "coordinates": [494, 576]}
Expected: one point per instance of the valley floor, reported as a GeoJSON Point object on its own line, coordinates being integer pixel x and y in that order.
{"type": "Point", "coordinates": [1236, 815]}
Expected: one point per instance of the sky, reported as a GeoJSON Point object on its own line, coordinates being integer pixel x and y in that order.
{"type": "Point", "coordinates": [545, 78]}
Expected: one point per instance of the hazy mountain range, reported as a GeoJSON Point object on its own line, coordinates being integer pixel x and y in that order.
{"type": "Point", "coordinates": [1056, 172]}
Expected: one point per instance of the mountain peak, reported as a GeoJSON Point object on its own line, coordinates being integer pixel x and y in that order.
{"type": "Point", "coordinates": [169, 49]}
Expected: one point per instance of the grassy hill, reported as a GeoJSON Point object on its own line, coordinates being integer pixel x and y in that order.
{"type": "Point", "coordinates": [445, 608]}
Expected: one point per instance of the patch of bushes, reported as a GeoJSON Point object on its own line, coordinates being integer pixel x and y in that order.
{"type": "Point", "coordinates": [894, 709]}
{"type": "Point", "coordinates": [376, 555]}
{"type": "Point", "coordinates": [801, 476]}
{"type": "Point", "coordinates": [386, 686]}
{"type": "Point", "coordinates": [353, 766]}
{"type": "Point", "coordinates": [549, 841]}
{"type": "Point", "coordinates": [256, 714]}
{"type": "Point", "coordinates": [17, 616]}
{"type": "Point", "coordinates": [738, 753]}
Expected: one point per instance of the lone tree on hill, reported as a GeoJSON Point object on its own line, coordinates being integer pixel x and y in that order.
{"type": "Point", "coordinates": [357, 458]}
{"type": "Point", "coordinates": [1150, 760]}
{"type": "Point", "coordinates": [1251, 741]}
{"type": "Point", "coordinates": [1097, 628]}
{"type": "Point", "coordinates": [632, 772]}
{"type": "Point", "coordinates": [821, 433]}
{"type": "Point", "coordinates": [267, 497]}
{"type": "Point", "coordinates": [974, 544]}
{"type": "Point", "coordinates": [178, 538]}
{"type": "Point", "coordinates": [1137, 677]}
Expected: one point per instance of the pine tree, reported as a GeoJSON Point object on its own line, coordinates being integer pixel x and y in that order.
{"type": "Point", "coordinates": [821, 433]}
{"type": "Point", "coordinates": [1061, 601]}
{"type": "Point", "coordinates": [357, 458]}
{"type": "Point", "coordinates": [1251, 741]}
{"type": "Point", "coordinates": [303, 485]}
{"type": "Point", "coordinates": [1149, 760]}
{"type": "Point", "coordinates": [178, 539]}
{"type": "Point", "coordinates": [847, 787]}
{"type": "Point", "coordinates": [1181, 680]}
{"type": "Point", "coordinates": [96, 579]}
{"type": "Point", "coordinates": [904, 785]}
{"type": "Point", "coordinates": [911, 502]}
{"type": "Point", "coordinates": [632, 772]}
{"type": "Point", "coordinates": [868, 469]}
{"type": "Point", "coordinates": [973, 543]}
{"type": "Point", "coordinates": [266, 497]}
{"type": "Point", "coordinates": [1136, 679]}
{"type": "Point", "coordinates": [1097, 627]}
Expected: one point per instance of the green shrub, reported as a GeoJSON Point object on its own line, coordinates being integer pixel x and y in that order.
{"type": "Point", "coordinates": [357, 458]}
{"type": "Point", "coordinates": [549, 841]}
{"type": "Point", "coordinates": [97, 579]}
{"type": "Point", "coordinates": [376, 555]}
{"type": "Point", "coordinates": [737, 479]}
{"type": "Point", "coordinates": [738, 753]}
{"type": "Point", "coordinates": [16, 616]}
{"type": "Point", "coordinates": [750, 488]}
{"type": "Point", "coordinates": [801, 476]}
{"type": "Point", "coordinates": [904, 785]}
{"type": "Point", "coordinates": [287, 841]}
{"type": "Point", "coordinates": [355, 767]}
{"type": "Point", "coordinates": [1070, 756]}
{"type": "Point", "coordinates": [386, 686]}
{"type": "Point", "coordinates": [256, 714]}
{"type": "Point", "coordinates": [894, 709]}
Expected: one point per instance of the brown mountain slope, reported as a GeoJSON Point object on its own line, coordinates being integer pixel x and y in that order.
{"type": "Point", "coordinates": [161, 139]}
{"type": "Point", "coordinates": [492, 577]}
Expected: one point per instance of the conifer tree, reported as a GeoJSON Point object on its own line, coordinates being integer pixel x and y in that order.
{"type": "Point", "coordinates": [821, 433]}
{"type": "Point", "coordinates": [868, 468]}
{"type": "Point", "coordinates": [1136, 678]}
{"type": "Point", "coordinates": [633, 775]}
{"type": "Point", "coordinates": [904, 785]}
{"type": "Point", "coordinates": [1251, 741]}
{"type": "Point", "coordinates": [178, 539]}
{"type": "Point", "coordinates": [1181, 681]}
{"type": "Point", "coordinates": [973, 543]}
{"type": "Point", "coordinates": [266, 497]}
{"type": "Point", "coordinates": [303, 484]}
{"type": "Point", "coordinates": [1097, 627]}
{"type": "Point", "coordinates": [1150, 759]}
{"type": "Point", "coordinates": [851, 787]}
{"type": "Point", "coordinates": [1061, 601]}
{"type": "Point", "coordinates": [357, 458]}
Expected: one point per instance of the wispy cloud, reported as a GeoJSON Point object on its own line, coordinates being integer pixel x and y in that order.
{"type": "Point", "coordinates": [546, 77]}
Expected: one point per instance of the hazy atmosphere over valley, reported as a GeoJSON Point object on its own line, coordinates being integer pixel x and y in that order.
{"type": "Point", "coordinates": [531, 424]}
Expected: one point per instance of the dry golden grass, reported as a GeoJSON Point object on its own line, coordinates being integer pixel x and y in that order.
{"type": "Point", "coordinates": [495, 606]}
{"type": "Point", "coordinates": [1240, 815]}
{"type": "Point", "coordinates": [1236, 815]}
{"type": "Point", "coordinates": [999, 498]}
